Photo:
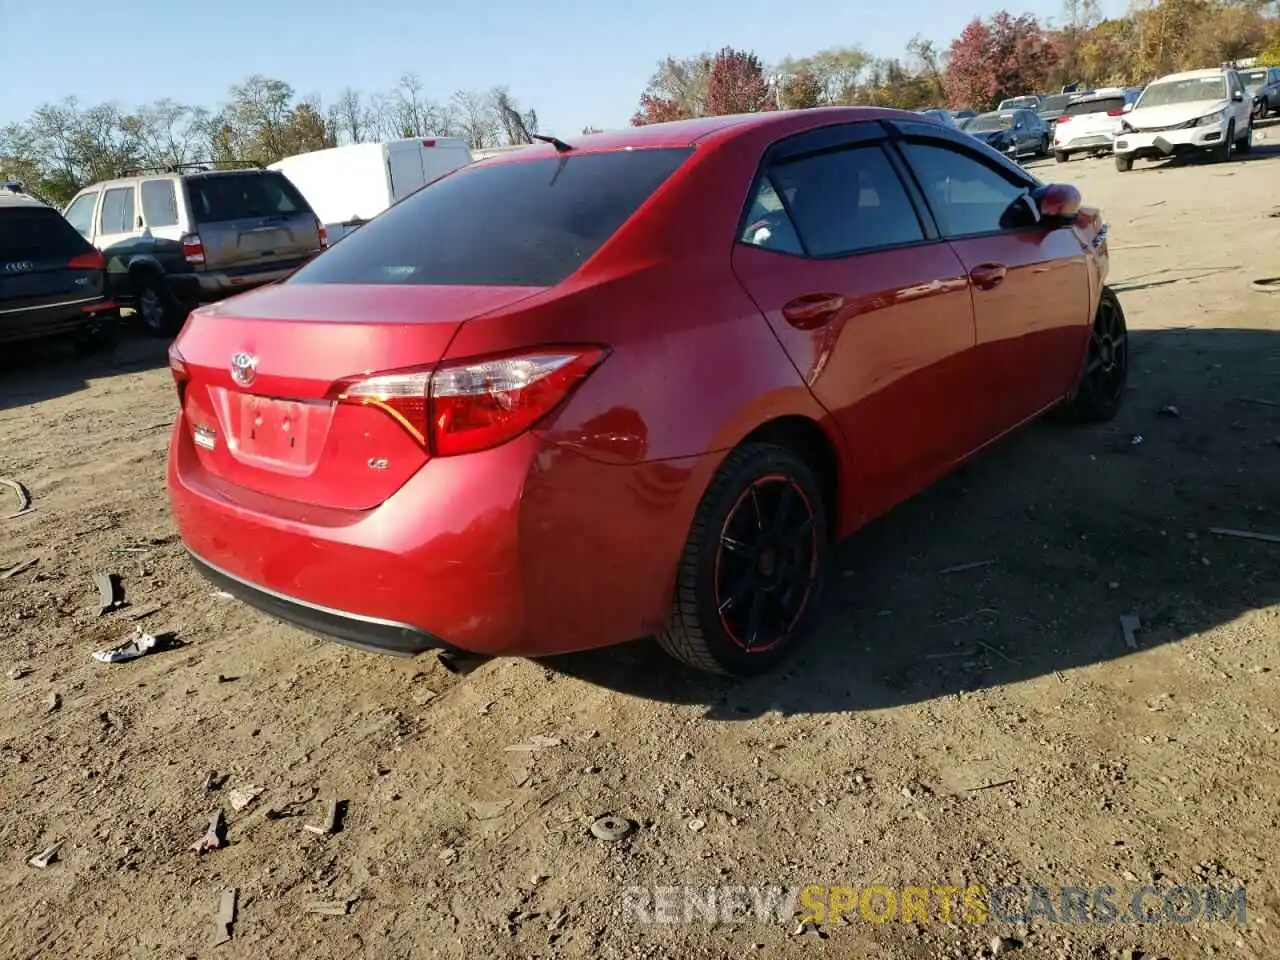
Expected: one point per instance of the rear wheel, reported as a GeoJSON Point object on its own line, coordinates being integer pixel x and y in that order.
{"type": "Point", "coordinates": [1124, 162]}
{"type": "Point", "coordinates": [98, 336]}
{"type": "Point", "coordinates": [158, 309]}
{"type": "Point", "coordinates": [1106, 369]}
{"type": "Point", "coordinates": [1044, 146]}
{"type": "Point", "coordinates": [1061, 156]}
{"type": "Point", "coordinates": [751, 578]}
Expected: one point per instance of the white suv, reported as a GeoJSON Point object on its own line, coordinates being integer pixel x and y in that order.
{"type": "Point", "coordinates": [1187, 113]}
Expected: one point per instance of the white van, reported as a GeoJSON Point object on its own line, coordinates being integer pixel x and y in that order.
{"type": "Point", "coordinates": [347, 186]}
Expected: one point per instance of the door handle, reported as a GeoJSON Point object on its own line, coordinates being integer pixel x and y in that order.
{"type": "Point", "coordinates": [986, 276]}
{"type": "Point", "coordinates": [812, 310]}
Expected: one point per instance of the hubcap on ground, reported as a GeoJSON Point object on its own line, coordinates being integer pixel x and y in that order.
{"type": "Point", "coordinates": [766, 563]}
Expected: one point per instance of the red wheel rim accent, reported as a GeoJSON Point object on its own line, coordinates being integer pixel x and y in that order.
{"type": "Point", "coordinates": [766, 563]}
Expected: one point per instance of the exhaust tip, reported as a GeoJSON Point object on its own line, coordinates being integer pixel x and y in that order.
{"type": "Point", "coordinates": [460, 664]}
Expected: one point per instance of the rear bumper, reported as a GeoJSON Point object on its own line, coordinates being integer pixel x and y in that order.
{"type": "Point", "coordinates": [214, 285]}
{"type": "Point", "coordinates": [17, 326]}
{"type": "Point", "coordinates": [1091, 143]}
{"type": "Point", "coordinates": [523, 550]}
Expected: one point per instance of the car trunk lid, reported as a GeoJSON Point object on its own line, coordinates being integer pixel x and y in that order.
{"type": "Point", "coordinates": [251, 219]}
{"type": "Point", "coordinates": [44, 262]}
{"type": "Point", "coordinates": [262, 369]}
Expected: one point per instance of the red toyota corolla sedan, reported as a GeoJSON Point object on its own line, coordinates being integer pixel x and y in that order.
{"type": "Point", "coordinates": [634, 385]}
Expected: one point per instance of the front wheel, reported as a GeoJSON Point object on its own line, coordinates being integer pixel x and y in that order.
{"type": "Point", "coordinates": [1124, 162]}
{"type": "Point", "coordinates": [750, 583]}
{"type": "Point", "coordinates": [1061, 156]}
{"type": "Point", "coordinates": [1245, 143]}
{"type": "Point", "coordinates": [1106, 369]}
{"type": "Point", "coordinates": [1228, 146]}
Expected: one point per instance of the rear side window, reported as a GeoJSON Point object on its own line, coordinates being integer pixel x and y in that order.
{"type": "Point", "coordinates": [80, 213]}
{"type": "Point", "coordinates": [37, 233]}
{"type": "Point", "coordinates": [159, 203]}
{"type": "Point", "coordinates": [530, 223]}
{"type": "Point", "coordinates": [117, 211]}
{"type": "Point", "coordinates": [839, 203]}
{"type": "Point", "coordinates": [1105, 105]}
{"type": "Point", "coordinates": [243, 196]}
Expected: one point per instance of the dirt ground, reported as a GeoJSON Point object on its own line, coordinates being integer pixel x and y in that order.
{"type": "Point", "coordinates": [982, 726]}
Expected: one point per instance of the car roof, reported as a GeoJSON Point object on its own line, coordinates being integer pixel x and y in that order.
{"type": "Point", "coordinates": [1193, 74]}
{"type": "Point", "coordinates": [10, 199]}
{"type": "Point", "coordinates": [688, 133]}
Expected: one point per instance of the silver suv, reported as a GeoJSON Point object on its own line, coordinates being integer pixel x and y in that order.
{"type": "Point", "coordinates": [174, 240]}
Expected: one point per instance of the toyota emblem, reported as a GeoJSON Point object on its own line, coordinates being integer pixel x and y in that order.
{"type": "Point", "coordinates": [244, 368]}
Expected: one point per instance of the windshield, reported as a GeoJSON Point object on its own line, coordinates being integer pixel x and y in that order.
{"type": "Point", "coordinates": [990, 121]}
{"type": "Point", "coordinates": [1056, 103]}
{"type": "Point", "coordinates": [1184, 91]}
{"type": "Point", "coordinates": [1102, 105]}
{"type": "Point", "coordinates": [1253, 79]}
{"type": "Point", "coordinates": [1018, 103]}
{"type": "Point", "coordinates": [527, 223]}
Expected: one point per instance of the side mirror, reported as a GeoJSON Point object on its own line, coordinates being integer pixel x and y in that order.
{"type": "Point", "coordinates": [1237, 96]}
{"type": "Point", "coordinates": [1059, 201]}
{"type": "Point", "coordinates": [1126, 108]}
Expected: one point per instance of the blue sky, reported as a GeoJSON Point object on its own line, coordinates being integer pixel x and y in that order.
{"type": "Point", "coordinates": [576, 63]}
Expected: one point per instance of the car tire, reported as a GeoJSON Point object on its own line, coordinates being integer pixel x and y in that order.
{"type": "Point", "coordinates": [1245, 143]}
{"type": "Point", "coordinates": [98, 336]}
{"type": "Point", "coordinates": [759, 534]}
{"type": "Point", "coordinates": [1224, 152]}
{"type": "Point", "coordinates": [158, 310]}
{"type": "Point", "coordinates": [1061, 156]}
{"type": "Point", "coordinates": [1044, 146]}
{"type": "Point", "coordinates": [1124, 162]}
{"type": "Point", "coordinates": [1105, 374]}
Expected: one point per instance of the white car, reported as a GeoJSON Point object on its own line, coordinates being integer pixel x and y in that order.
{"type": "Point", "coordinates": [1187, 113]}
{"type": "Point", "coordinates": [1088, 125]}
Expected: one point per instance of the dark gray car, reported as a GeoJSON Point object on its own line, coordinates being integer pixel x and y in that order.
{"type": "Point", "coordinates": [175, 240]}
{"type": "Point", "coordinates": [1017, 133]}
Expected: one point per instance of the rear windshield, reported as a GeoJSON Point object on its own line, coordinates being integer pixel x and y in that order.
{"type": "Point", "coordinates": [1105, 105]}
{"type": "Point", "coordinates": [526, 224]}
{"type": "Point", "coordinates": [243, 196]}
{"type": "Point", "coordinates": [1056, 102]}
{"type": "Point", "coordinates": [36, 233]}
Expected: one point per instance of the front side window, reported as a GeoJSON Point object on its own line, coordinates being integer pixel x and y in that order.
{"type": "Point", "coordinates": [80, 213]}
{"type": "Point", "coordinates": [117, 211]}
{"type": "Point", "coordinates": [845, 201]}
{"type": "Point", "coordinates": [527, 223]}
{"type": "Point", "coordinates": [967, 196]}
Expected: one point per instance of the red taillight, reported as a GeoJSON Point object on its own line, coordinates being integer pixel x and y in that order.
{"type": "Point", "coordinates": [93, 260]}
{"type": "Point", "coordinates": [428, 143]}
{"type": "Point", "coordinates": [178, 367]}
{"type": "Point", "coordinates": [1115, 113]}
{"type": "Point", "coordinates": [324, 234]}
{"type": "Point", "coordinates": [474, 405]}
{"type": "Point", "coordinates": [1062, 120]}
{"type": "Point", "coordinates": [193, 248]}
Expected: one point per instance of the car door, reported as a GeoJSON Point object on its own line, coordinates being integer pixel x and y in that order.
{"type": "Point", "coordinates": [1030, 280]}
{"type": "Point", "coordinates": [118, 228]}
{"type": "Point", "coordinates": [871, 306]}
{"type": "Point", "coordinates": [1241, 103]}
{"type": "Point", "coordinates": [162, 223]}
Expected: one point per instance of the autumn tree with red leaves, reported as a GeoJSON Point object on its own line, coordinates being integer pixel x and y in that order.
{"type": "Point", "coordinates": [737, 84]}
{"type": "Point", "coordinates": [1006, 56]}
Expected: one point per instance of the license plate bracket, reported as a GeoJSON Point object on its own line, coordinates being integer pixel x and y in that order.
{"type": "Point", "coordinates": [274, 430]}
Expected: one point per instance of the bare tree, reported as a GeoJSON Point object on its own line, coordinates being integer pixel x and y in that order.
{"type": "Point", "coordinates": [476, 119]}
{"type": "Point", "coordinates": [351, 116]}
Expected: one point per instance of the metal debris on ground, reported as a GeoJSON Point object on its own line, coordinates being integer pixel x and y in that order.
{"type": "Point", "coordinates": [24, 498]}
{"type": "Point", "coordinates": [330, 824]}
{"type": "Point", "coordinates": [330, 908]}
{"type": "Point", "coordinates": [139, 646]}
{"type": "Point", "coordinates": [52, 702]}
{"type": "Point", "coordinates": [17, 568]}
{"type": "Point", "coordinates": [110, 591]}
{"type": "Point", "coordinates": [960, 567]}
{"type": "Point", "coordinates": [224, 926]}
{"type": "Point", "coordinates": [1246, 534]}
{"type": "Point", "coordinates": [611, 828]}
{"type": "Point", "coordinates": [47, 856]}
{"type": "Point", "coordinates": [1169, 410]}
{"type": "Point", "coordinates": [222, 595]}
{"type": "Point", "coordinates": [242, 797]}
{"type": "Point", "coordinates": [215, 837]}
{"type": "Point", "coordinates": [1130, 624]}
{"type": "Point", "coordinates": [17, 673]}
{"type": "Point", "coordinates": [212, 781]}
{"type": "Point", "coordinates": [533, 744]}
